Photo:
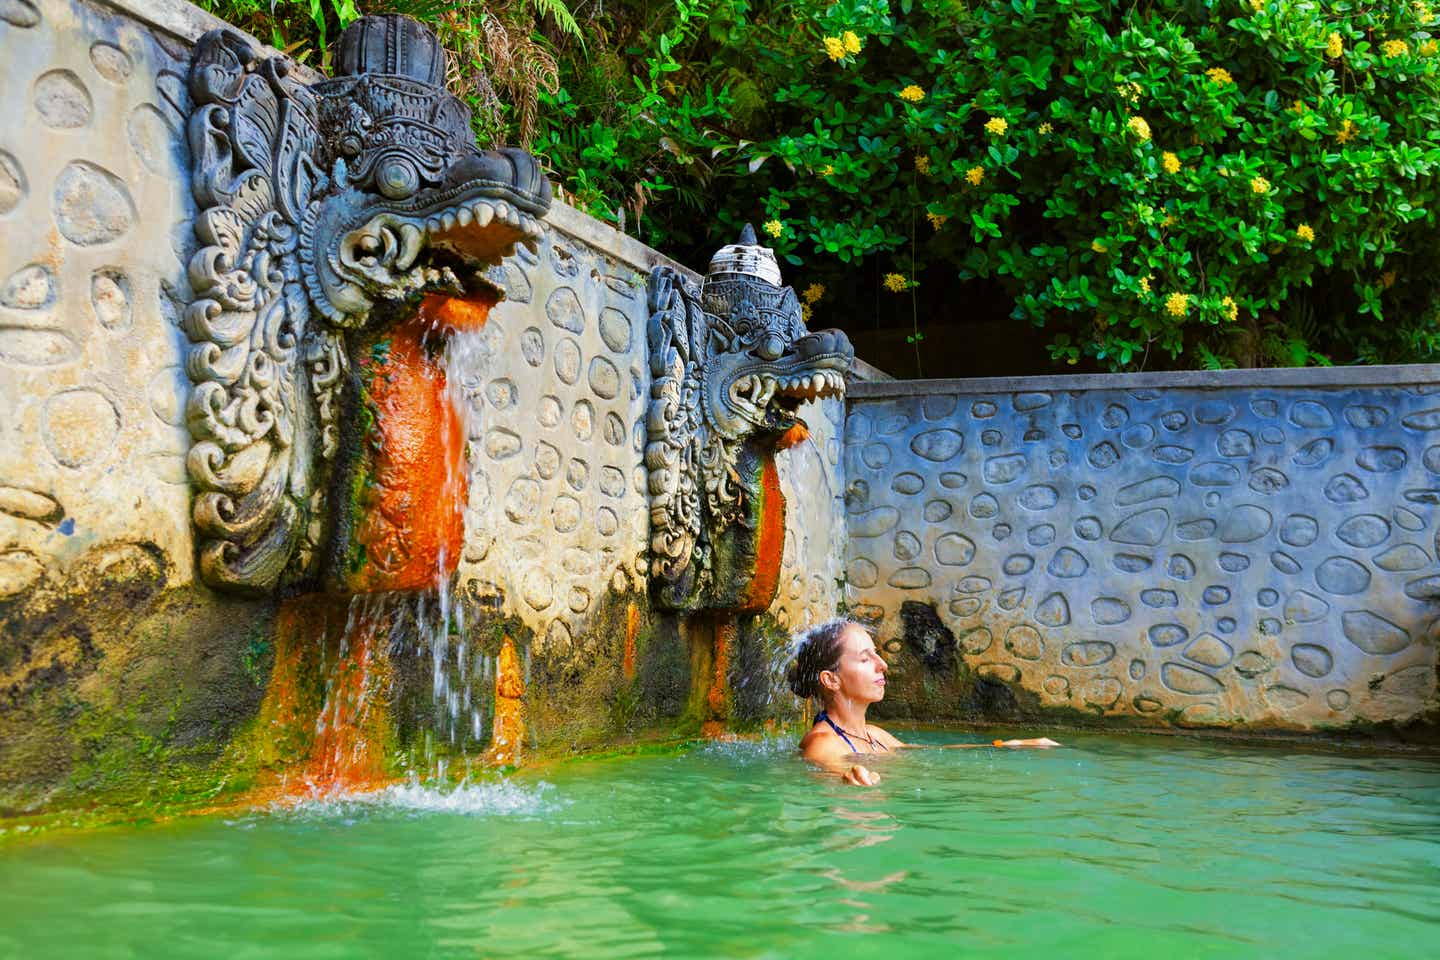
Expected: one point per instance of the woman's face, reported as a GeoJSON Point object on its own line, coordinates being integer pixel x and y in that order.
{"type": "Point", "coordinates": [861, 673]}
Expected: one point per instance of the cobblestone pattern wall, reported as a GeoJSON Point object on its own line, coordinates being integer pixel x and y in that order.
{"type": "Point", "coordinates": [1237, 557]}
{"type": "Point", "coordinates": [558, 511]}
{"type": "Point", "coordinates": [94, 224]}
{"type": "Point", "coordinates": [557, 399]}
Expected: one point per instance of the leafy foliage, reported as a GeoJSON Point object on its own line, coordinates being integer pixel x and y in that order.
{"type": "Point", "coordinates": [1173, 183]}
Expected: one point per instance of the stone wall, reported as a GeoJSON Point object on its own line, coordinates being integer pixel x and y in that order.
{"type": "Point", "coordinates": [558, 395]}
{"type": "Point", "coordinates": [1252, 549]}
{"type": "Point", "coordinates": [109, 642]}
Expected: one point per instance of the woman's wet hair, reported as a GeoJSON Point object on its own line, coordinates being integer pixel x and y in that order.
{"type": "Point", "coordinates": [818, 649]}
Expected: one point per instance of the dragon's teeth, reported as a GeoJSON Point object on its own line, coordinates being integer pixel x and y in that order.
{"type": "Point", "coordinates": [448, 220]}
{"type": "Point", "coordinates": [463, 216]}
{"type": "Point", "coordinates": [484, 213]}
{"type": "Point", "coordinates": [410, 242]}
{"type": "Point", "coordinates": [502, 209]}
{"type": "Point", "coordinates": [433, 224]}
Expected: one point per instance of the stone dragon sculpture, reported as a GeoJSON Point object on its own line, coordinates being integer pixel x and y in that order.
{"type": "Point", "coordinates": [322, 208]}
{"type": "Point", "coordinates": [731, 363]}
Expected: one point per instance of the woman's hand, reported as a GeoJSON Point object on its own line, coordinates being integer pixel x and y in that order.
{"type": "Point", "coordinates": [858, 776]}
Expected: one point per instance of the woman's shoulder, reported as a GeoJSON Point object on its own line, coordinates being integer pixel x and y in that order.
{"type": "Point", "coordinates": [820, 739]}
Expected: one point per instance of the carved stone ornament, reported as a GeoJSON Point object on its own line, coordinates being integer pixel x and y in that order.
{"type": "Point", "coordinates": [731, 363]}
{"type": "Point", "coordinates": [323, 208]}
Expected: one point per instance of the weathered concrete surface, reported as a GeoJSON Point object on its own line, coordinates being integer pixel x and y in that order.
{"type": "Point", "coordinates": [1260, 554]}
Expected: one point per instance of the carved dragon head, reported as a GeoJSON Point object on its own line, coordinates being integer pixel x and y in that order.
{"type": "Point", "coordinates": [731, 361]}
{"type": "Point", "coordinates": [328, 200]}
{"type": "Point", "coordinates": [413, 205]}
{"type": "Point", "coordinates": [762, 363]}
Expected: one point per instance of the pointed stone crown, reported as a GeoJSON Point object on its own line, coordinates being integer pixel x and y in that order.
{"type": "Point", "coordinates": [745, 259]}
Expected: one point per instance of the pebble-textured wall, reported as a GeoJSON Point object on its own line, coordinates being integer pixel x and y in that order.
{"type": "Point", "coordinates": [1246, 555]}
{"type": "Point", "coordinates": [558, 511]}
{"type": "Point", "coordinates": [94, 222]}
{"type": "Point", "coordinates": [557, 387]}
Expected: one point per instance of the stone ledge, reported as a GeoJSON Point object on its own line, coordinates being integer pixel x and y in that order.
{"type": "Point", "coordinates": [1411, 374]}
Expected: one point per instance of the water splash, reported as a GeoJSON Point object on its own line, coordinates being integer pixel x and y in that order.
{"type": "Point", "coordinates": [491, 798]}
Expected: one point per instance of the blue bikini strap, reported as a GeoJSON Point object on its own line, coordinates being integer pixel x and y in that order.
{"type": "Point", "coordinates": [822, 715]}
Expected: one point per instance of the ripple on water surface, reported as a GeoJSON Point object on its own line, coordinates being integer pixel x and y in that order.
{"type": "Point", "coordinates": [1113, 846]}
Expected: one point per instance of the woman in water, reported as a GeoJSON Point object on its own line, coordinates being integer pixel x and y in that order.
{"type": "Point", "coordinates": [838, 664]}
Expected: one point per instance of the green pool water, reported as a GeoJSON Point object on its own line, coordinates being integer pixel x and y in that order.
{"type": "Point", "coordinates": [1114, 846]}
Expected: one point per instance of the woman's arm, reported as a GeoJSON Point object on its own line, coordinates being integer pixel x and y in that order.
{"type": "Point", "coordinates": [1034, 743]}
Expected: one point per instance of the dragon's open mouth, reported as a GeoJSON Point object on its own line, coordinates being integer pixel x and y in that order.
{"type": "Point", "coordinates": [773, 397]}
{"type": "Point", "coordinates": [459, 240]}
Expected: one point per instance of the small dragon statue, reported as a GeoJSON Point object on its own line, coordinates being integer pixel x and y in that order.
{"type": "Point", "coordinates": [731, 363]}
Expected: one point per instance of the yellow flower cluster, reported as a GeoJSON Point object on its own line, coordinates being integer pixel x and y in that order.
{"type": "Point", "coordinates": [922, 164]}
{"type": "Point", "coordinates": [1305, 232]}
{"type": "Point", "coordinates": [1298, 107]}
{"type": "Point", "coordinates": [1423, 11]}
{"type": "Point", "coordinates": [773, 227]}
{"type": "Point", "coordinates": [997, 126]}
{"type": "Point", "coordinates": [813, 292]}
{"type": "Point", "coordinates": [1257, 5]}
{"type": "Point", "coordinates": [1046, 129]}
{"type": "Point", "coordinates": [1139, 127]}
{"type": "Point", "coordinates": [1177, 304]}
{"type": "Point", "coordinates": [828, 170]}
{"type": "Point", "coordinates": [1259, 185]}
{"type": "Point", "coordinates": [805, 312]}
{"type": "Point", "coordinates": [851, 41]}
{"type": "Point", "coordinates": [834, 48]}
{"type": "Point", "coordinates": [1395, 48]}
{"type": "Point", "coordinates": [1169, 162]}
{"type": "Point", "coordinates": [1334, 46]}
{"type": "Point", "coordinates": [1428, 48]}
{"type": "Point", "coordinates": [975, 175]}
{"type": "Point", "coordinates": [912, 93]}
{"type": "Point", "coordinates": [1219, 75]}
{"type": "Point", "coordinates": [1231, 308]}
{"type": "Point", "coordinates": [937, 220]}
{"type": "Point", "coordinates": [1130, 92]}
{"type": "Point", "coordinates": [1347, 132]}
{"type": "Point", "coordinates": [896, 283]}
{"type": "Point", "coordinates": [1145, 285]}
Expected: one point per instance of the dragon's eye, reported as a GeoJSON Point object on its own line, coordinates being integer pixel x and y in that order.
{"type": "Point", "coordinates": [397, 178]}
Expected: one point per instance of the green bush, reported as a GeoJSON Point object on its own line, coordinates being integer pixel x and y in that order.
{"type": "Point", "coordinates": [1167, 184]}
{"type": "Point", "coordinates": [1171, 184]}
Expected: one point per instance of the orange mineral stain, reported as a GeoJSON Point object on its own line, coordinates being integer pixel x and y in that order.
{"type": "Point", "coordinates": [770, 542]}
{"type": "Point", "coordinates": [632, 628]}
{"type": "Point", "coordinates": [795, 436]}
{"type": "Point", "coordinates": [718, 699]}
{"type": "Point", "coordinates": [411, 514]}
{"type": "Point", "coordinates": [348, 753]}
{"type": "Point", "coordinates": [324, 722]}
{"type": "Point", "coordinates": [508, 731]}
